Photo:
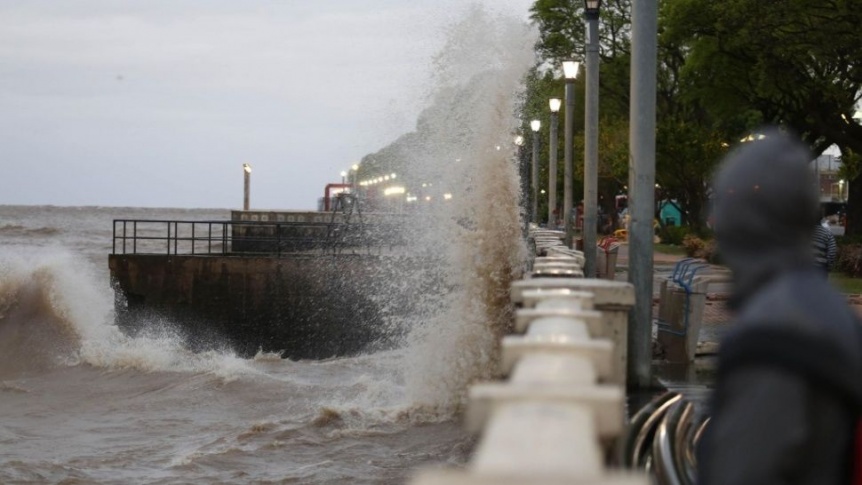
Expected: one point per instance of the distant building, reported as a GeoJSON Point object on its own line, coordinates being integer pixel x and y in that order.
{"type": "Point", "coordinates": [832, 187]}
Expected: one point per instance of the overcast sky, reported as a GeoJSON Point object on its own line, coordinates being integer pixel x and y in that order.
{"type": "Point", "coordinates": [159, 102]}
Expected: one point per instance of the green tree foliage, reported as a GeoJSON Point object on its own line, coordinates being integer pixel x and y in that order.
{"type": "Point", "coordinates": [724, 68]}
{"type": "Point", "coordinates": [688, 141]}
{"type": "Point", "coordinates": [795, 63]}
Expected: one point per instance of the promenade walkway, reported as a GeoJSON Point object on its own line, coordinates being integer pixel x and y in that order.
{"type": "Point", "coordinates": [717, 317]}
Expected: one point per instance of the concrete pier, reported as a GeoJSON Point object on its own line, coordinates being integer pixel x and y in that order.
{"type": "Point", "coordinates": [308, 306]}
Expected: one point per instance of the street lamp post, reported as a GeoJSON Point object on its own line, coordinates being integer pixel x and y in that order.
{"type": "Point", "coordinates": [246, 169]}
{"type": "Point", "coordinates": [355, 170]}
{"type": "Point", "coordinates": [641, 186]}
{"type": "Point", "coordinates": [552, 162]}
{"type": "Point", "coordinates": [570, 71]}
{"type": "Point", "coordinates": [343, 177]}
{"type": "Point", "coordinates": [591, 136]}
{"type": "Point", "coordinates": [523, 175]}
{"type": "Point", "coordinates": [535, 125]}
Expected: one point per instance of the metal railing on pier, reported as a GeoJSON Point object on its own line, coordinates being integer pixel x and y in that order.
{"type": "Point", "coordinates": [174, 237]}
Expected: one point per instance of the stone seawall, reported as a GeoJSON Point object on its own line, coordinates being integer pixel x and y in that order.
{"type": "Point", "coordinates": [306, 306]}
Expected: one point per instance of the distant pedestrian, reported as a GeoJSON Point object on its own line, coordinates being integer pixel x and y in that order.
{"type": "Point", "coordinates": [824, 247]}
{"type": "Point", "coordinates": [788, 392]}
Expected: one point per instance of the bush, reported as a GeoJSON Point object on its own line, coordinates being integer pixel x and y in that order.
{"type": "Point", "coordinates": [696, 247]}
{"type": "Point", "coordinates": [693, 245]}
{"type": "Point", "coordinates": [850, 259]}
{"type": "Point", "coordinates": [673, 235]}
{"type": "Point", "coordinates": [855, 239]}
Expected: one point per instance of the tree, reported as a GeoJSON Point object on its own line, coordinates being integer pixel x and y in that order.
{"type": "Point", "coordinates": [794, 63]}
{"type": "Point", "coordinates": [689, 142]}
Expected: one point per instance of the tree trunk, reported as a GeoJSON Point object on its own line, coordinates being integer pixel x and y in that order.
{"type": "Point", "coordinates": [853, 223]}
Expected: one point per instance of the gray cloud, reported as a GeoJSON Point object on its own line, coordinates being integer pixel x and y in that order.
{"type": "Point", "coordinates": [158, 103]}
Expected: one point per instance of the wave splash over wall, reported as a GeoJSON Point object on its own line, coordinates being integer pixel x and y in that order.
{"type": "Point", "coordinates": [462, 165]}
{"type": "Point", "coordinates": [55, 311]}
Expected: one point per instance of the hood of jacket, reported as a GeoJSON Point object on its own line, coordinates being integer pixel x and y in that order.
{"type": "Point", "coordinates": [765, 205]}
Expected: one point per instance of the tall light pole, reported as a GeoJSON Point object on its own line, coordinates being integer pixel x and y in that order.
{"type": "Point", "coordinates": [535, 125]}
{"type": "Point", "coordinates": [552, 162]}
{"type": "Point", "coordinates": [642, 186]}
{"type": "Point", "coordinates": [522, 172]}
{"type": "Point", "coordinates": [246, 169]}
{"type": "Point", "coordinates": [355, 170]}
{"type": "Point", "coordinates": [570, 71]}
{"type": "Point", "coordinates": [591, 136]}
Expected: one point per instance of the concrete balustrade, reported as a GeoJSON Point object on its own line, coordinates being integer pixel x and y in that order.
{"type": "Point", "coordinates": [561, 266]}
{"type": "Point", "coordinates": [613, 298]}
{"type": "Point", "coordinates": [556, 416]}
{"type": "Point", "coordinates": [530, 383]}
{"type": "Point", "coordinates": [539, 439]}
{"type": "Point", "coordinates": [571, 263]}
{"type": "Point", "coordinates": [444, 477]}
{"type": "Point", "coordinates": [556, 251]}
{"type": "Point", "coordinates": [559, 272]}
{"type": "Point", "coordinates": [549, 335]}
{"type": "Point", "coordinates": [532, 297]}
{"type": "Point", "coordinates": [549, 369]}
{"type": "Point", "coordinates": [568, 309]}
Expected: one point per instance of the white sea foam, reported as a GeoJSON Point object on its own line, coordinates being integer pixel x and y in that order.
{"type": "Point", "coordinates": [55, 311]}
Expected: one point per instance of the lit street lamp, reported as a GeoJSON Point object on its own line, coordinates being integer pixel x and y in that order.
{"type": "Point", "coordinates": [523, 175]}
{"type": "Point", "coordinates": [591, 137]}
{"type": "Point", "coordinates": [570, 71]}
{"type": "Point", "coordinates": [535, 125]}
{"type": "Point", "coordinates": [343, 176]}
{"type": "Point", "coordinates": [552, 162]}
{"type": "Point", "coordinates": [355, 169]}
{"type": "Point", "coordinates": [246, 169]}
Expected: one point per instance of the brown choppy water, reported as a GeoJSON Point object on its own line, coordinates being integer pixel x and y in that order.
{"type": "Point", "coordinates": [82, 403]}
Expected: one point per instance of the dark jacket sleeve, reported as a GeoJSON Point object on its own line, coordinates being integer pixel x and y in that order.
{"type": "Point", "coordinates": [758, 429]}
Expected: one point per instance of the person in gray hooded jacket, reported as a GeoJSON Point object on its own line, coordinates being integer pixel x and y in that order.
{"type": "Point", "coordinates": [789, 385]}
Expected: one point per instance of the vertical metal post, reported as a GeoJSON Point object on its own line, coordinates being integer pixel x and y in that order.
{"type": "Point", "coordinates": [168, 239]}
{"type": "Point", "coordinates": [534, 181]}
{"type": "Point", "coordinates": [569, 127]}
{"type": "Point", "coordinates": [246, 190]}
{"type": "Point", "coordinates": [134, 237]}
{"type": "Point", "coordinates": [124, 237]}
{"type": "Point", "coordinates": [552, 170]}
{"type": "Point", "coordinates": [193, 238]}
{"type": "Point", "coordinates": [642, 186]}
{"type": "Point", "coordinates": [591, 142]}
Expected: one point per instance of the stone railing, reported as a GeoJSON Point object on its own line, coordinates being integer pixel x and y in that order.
{"type": "Point", "coordinates": [560, 410]}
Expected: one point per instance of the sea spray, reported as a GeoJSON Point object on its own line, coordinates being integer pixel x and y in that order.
{"type": "Point", "coordinates": [468, 222]}
{"type": "Point", "coordinates": [54, 311]}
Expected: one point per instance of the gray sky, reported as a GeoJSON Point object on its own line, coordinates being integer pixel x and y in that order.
{"type": "Point", "coordinates": [159, 102]}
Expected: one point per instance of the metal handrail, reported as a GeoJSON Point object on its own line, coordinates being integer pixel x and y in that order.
{"type": "Point", "coordinates": [140, 236]}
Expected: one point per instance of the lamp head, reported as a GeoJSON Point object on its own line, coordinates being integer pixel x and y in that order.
{"type": "Point", "coordinates": [555, 104]}
{"type": "Point", "coordinates": [591, 7]}
{"type": "Point", "coordinates": [570, 70]}
{"type": "Point", "coordinates": [535, 125]}
{"type": "Point", "coordinates": [519, 140]}
{"type": "Point", "coordinates": [246, 167]}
